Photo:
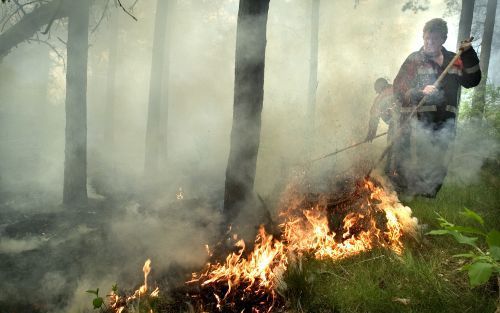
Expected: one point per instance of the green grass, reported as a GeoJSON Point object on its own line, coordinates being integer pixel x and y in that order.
{"type": "Point", "coordinates": [424, 279]}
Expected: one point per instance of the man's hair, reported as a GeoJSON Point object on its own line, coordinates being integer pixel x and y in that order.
{"type": "Point", "coordinates": [437, 25]}
{"type": "Point", "coordinates": [380, 84]}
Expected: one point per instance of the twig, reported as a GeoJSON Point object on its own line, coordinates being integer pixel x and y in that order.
{"type": "Point", "coordinates": [133, 5]}
{"type": "Point", "coordinates": [102, 17]}
{"type": "Point", "coordinates": [125, 10]}
{"type": "Point", "coordinates": [59, 55]}
{"type": "Point", "coordinates": [19, 6]}
{"type": "Point", "coordinates": [49, 25]}
{"type": "Point", "coordinates": [368, 260]}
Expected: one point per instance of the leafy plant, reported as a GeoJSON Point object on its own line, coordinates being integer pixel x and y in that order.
{"type": "Point", "coordinates": [97, 302]}
{"type": "Point", "coordinates": [483, 262]}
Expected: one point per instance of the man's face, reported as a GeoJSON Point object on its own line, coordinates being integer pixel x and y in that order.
{"type": "Point", "coordinates": [433, 43]}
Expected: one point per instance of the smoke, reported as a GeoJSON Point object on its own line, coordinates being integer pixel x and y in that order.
{"type": "Point", "coordinates": [471, 149]}
{"type": "Point", "coordinates": [125, 223]}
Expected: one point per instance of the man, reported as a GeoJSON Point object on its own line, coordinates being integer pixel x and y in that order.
{"type": "Point", "coordinates": [384, 106]}
{"type": "Point", "coordinates": [424, 139]}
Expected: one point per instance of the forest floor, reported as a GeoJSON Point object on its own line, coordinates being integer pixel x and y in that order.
{"type": "Point", "coordinates": [43, 255]}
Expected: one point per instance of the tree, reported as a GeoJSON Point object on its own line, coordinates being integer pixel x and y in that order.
{"type": "Point", "coordinates": [247, 105]}
{"type": "Point", "coordinates": [465, 24]}
{"type": "Point", "coordinates": [31, 22]}
{"type": "Point", "coordinates": [109, 138]}
{"type": "Point", "coordinates": [313, 72]}
{"type": "Point", "coordinates": [484, 58]}
{"type": "Point", "coordinates": [75, 162]}
{"type": "Point", "coordinates": [156, 134]}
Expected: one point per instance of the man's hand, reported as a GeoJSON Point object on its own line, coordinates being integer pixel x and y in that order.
{"type": "Point", "coordinates": [371, 135]}
{"type": "Point", "coordinates": [465, 45]}
{"type": "Point", "coordinates": [429, 89]}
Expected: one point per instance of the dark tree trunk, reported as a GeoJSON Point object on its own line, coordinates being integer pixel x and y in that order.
{"type": "Point", "coordinates": [479, 99]}
{"type": "Point", "coordinates": [156, 135]}
{"type": "Point", "coordinates": [248, 101]}
{"type": "Point", "coordinates": [465, 24]}
{"type": "Point", "coordinates": [313, 73]}
{"type": "Point", "coordinates": [75, 163]}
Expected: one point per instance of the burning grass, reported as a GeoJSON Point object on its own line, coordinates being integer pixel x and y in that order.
{"type": "Point", "coordinates": [323, 226]}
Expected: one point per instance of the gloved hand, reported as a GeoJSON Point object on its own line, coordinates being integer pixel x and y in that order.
{"type": "Point", "coordinates": [371, 135]}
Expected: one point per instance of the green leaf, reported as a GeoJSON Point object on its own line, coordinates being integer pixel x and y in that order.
{"type": "Point", "coordinates": [94, 292]}
{"type": "Point", "coordinates": [495, 253]}
{"type": "Point", "coordinates": [473, 215]}
{"type": "Point", "coordinates": [464, 239]}
{"type": "Point", "coordinates": [98, 302]}
{"type": "Point", "coordinates": [467, 229]}
{"type": "Point", "coordinates": [115, 288]}
{"type": "Point", "coordinates": [493, 238]}
{"type": "Point", "coordinates": [439, 232]}
{"type": "Point", "coordinates": [464, 255]}
{"type": "Point", "coordinates": [479, 273]}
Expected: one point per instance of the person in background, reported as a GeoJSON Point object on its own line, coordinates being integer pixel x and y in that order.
{"type": "Point", "coordinates": [384, 107]}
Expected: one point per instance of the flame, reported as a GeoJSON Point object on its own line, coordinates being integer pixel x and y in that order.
{"type": "Point", "coordinates": [371, 216]}
{"type": "Point", "coordinates": [306, 230]}
{"type": "Point", "coordinates": [120, 304]}
{"type": "Point", "coordinates": [180, 194]}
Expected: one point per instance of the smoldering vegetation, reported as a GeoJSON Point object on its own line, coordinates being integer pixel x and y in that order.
{"type": "Point", "coordinates": [50, 254]}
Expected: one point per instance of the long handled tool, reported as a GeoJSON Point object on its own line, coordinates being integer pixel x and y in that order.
{"type": "Point", "coordinates": [346, 148]}
{"type": "Point", "coordinates": [415, 109]}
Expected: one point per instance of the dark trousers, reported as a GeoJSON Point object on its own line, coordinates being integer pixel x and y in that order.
{"type": "Point", "coordinates": [420, 155]}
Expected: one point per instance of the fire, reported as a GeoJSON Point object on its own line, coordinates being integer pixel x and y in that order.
{"type": "Point", "coordinates": [121, 304]}
{"type": "Point", "coordinates": [373, 217]}
{"type": "Point", "coordinates": [180, 194]}
{"type": "Point", "coordinates": [256, 274]}
{"type": "Point", "coordinates": [322, 226]}
{"type": "Point", "coordinates": [374, 221]}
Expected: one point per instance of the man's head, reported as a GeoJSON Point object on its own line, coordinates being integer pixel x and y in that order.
{"type": "Point", "coordinates": [435, 34]}
{"type": "Point", "coordinates": [380, 84]}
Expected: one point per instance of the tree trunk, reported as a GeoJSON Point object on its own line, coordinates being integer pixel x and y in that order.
{"type": "Point", "coordinates": [479, 99]}
{"type": "Point", "coordinates": [247, 108]}
{"type": "Point", "coordinates": [156, 135]}
{"type": "Point", "coordinates": [313, 74]}
{"type": "Point", "coordinates": [75, 163]}
{"type": "Point", "coordinates": [109, 128]}
{"type": "Point", "coordinates": [465, 23]}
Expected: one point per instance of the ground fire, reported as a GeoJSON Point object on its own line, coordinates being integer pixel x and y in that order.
{"type": "Point", "coordinates": [323, 226]}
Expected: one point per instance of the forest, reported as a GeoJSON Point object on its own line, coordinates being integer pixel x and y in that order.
{"type": "Point", "coordinates": [213, 156]}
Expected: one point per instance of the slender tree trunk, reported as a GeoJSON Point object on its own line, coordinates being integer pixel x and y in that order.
{"type": "Point", "coordinates": [248, 102]}
{"type": "Point", "coordinates": [465, 24]}
{"type": "Point", "coordinates": [156, 135]}
{"type": "Point", "coordinates": [479, 99]}
{"type": "Point", "coordinates": [313, 74]}
{"type": "Point", "coordinates": [75, 163]}
{"type": "Point", "coordinates": [109, 128]}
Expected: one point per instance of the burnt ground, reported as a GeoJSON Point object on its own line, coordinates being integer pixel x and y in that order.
{"type": "Point", "coordinates": [43, 256]}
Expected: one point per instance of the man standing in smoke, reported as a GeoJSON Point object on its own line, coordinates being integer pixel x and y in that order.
{"type": "Point", "coordinates": [421, 159]}
{"type": "Point", "coordinates": [384, 107]}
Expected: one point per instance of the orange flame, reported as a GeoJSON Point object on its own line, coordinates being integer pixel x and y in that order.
{"type": "Point", "coordinates": [307, 231]}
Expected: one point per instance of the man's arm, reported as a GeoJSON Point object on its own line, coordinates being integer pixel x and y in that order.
{"type": "Point", "coordinates": [405, 89]}
{"type": "Point", "coordinates": [374, 120]}
{"type": "Point", "coordinates": [471, 73]}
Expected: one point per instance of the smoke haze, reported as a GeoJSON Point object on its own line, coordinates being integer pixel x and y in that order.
{"type": "Point", "coordinates": [67, 254]}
